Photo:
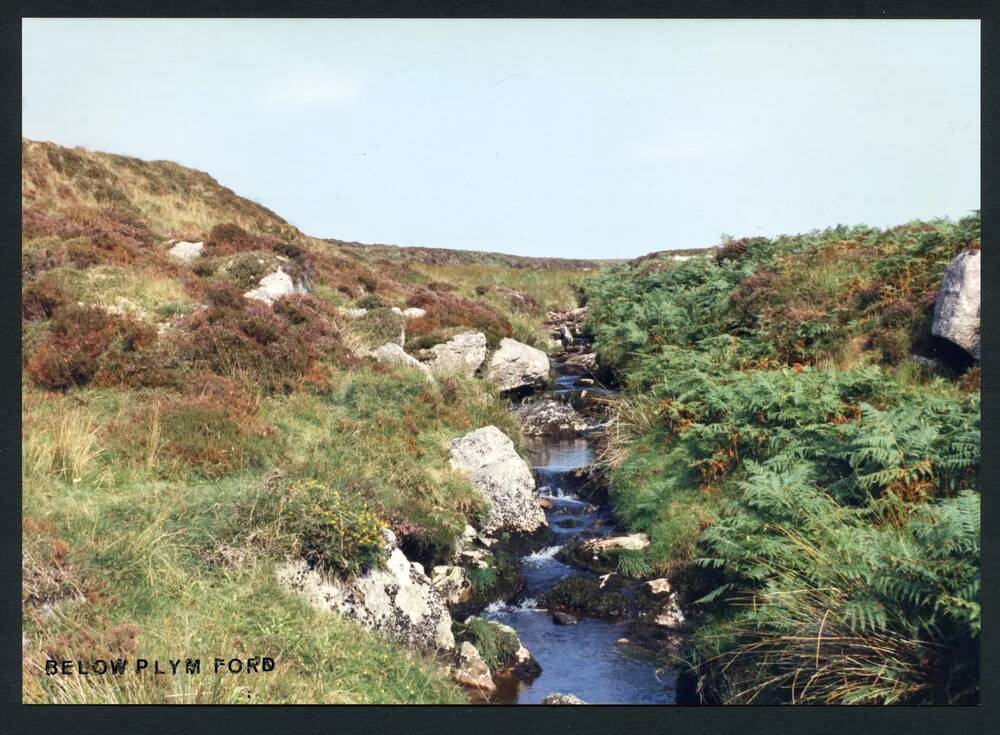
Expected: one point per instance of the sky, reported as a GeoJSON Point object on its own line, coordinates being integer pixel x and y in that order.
{"type": "Point", "coordinates": [582, 138]}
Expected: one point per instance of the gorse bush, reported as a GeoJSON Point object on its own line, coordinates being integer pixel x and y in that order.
{"type": "Point", "coordinates": [333, 528]}
{"type": "Point", "coordinates": [815, 506]}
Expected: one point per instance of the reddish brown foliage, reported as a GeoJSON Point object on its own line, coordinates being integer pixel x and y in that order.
{"type": "Point", "coordinates": [446, 310]}
{"type": "Point", "coordinates": [41, 298]}
{"type": "Point", "coordinates": [69, 354]}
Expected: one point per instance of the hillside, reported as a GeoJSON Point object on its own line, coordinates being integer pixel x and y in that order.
{"type": "Point", "coordinates": [198, 395]}
{"type": "Point", "coordinates": [444, 256]}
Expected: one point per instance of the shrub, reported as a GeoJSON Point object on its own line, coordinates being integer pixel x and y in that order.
{"type": "Point", "coordinates": [69, 355]}
{"type": "Point", "coordinates": [446, 311]}
{"type": "Point", "coordinates": [40, 298]}
{"type": "Point", "coordinates": [333, 529]}
{"type": "Point", "coordinates": [274, 348]}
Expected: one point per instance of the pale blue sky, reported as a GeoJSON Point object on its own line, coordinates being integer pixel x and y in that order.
{"type": "Point", "coordinates": [561, 138]}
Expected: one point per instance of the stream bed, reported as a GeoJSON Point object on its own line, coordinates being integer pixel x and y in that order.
{"type": "Point", "coordinates": [585, 659]}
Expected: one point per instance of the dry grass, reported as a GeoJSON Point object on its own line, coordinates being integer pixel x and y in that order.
{"type": "Point", "coordinates": [63, 443]}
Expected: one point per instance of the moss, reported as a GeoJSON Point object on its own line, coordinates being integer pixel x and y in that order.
{"type": "Point", "coordinates": [583, 594]}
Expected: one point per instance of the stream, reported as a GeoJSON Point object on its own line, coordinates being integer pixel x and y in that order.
{"type": "Point", "coordinates": [585, 659]}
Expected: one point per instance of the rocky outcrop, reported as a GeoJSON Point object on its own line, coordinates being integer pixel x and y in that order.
{"type": "Point", "coordinates": [186, 251]}
{"type": "Point", "coordinates": [549, 418]}
{"type": "Point", "coordinates": [393, 353]}
{"type": "Point", "coordinates": [957, 307]}
{"type": "Point", "coordinates": [516, 365]}
{"type": "Point", "coordinates": [508, 655]}
{"type": "Point", "coordinates": [273, 286]}
{"type": "Point", "coordinates": [601, 554]}
{"type": "Point", "coordinates": [488, 457]}
{"type": "Point", "coordinates": [557, 698]}
{"type": "Point", "coordinates": [586, 595]}
{"type": "Point", "coordinates": [396, 600]}
{"type": "Point", "coordinates": [470, 670]}
{"type": "Point", "coordinates": [566, 326]}
{"type": "Point", "coordinates": [462, 354]}
{"type": "Point", "coordinates": [522, 665]}
{"type": "Point", "coordinates": [452, 583]}
{"type": "Point", "coordinates": [414, 312]}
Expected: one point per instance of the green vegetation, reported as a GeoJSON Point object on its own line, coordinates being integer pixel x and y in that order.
{"type": "Point", "coordinates": [497, 647]}
{"type": "Point", "coordinates": [180, 440]}
{"type": "Point", "coordinates": [812, 493]}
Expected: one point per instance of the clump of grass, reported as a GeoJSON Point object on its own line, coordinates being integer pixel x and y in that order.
{"type": "Point", "coordinates": [379, 326]}
{"type": "Point", "coordinates": [496, 646]}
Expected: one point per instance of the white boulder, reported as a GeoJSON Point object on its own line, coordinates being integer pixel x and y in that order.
{"type": "Point", "coordinates": [414, 312]}
{"type": "Point", "coordinates": [353, 313]}
{"type": "Point", "coordinates": [186, 251]}
{"type": "Point", "coordinates": [273, 286]}
{"type": "Point", "coordinates": [558, 698]}
{"type": "Point", "coordinates": [956, 309]}
{"type": "Point", "coordinates": [462, 354]}
{"type": "Point", "coordinates": [548, 417]}
{"type": "Point", "coordinates": [396, 600]}
{"type": "Point", "coordinates": [517, 365]}
{"type": "Point", "coordinates": [471, 670]}
{"type": "Point", "coordinates": [391, 352]}
{"type": "Point", "coordinates": [488, 457]}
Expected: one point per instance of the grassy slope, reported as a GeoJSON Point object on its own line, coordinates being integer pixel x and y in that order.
{"type": "Point", "coordinates": [810, 490]}
{"type": "Point", "coordinates": [156, 439]}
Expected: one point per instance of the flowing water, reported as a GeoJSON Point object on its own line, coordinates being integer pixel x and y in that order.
{"type": "Point", "coordinates": [584, 659]}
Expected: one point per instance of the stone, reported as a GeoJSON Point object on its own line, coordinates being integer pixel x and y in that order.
{"type": "Point", "coordinates": [273, 286]}
{"type": "Point", "coordinates": [562, 618]}
{"type": "Point", "coordinates": [186, 251]}
{"type": "Point", "coordinates": [391, 352]}
{"type": "Point", "coordinates": [601, 554]}
{"type": "Point", "coordinates": [462, 354]}
{"type": "Point", "coordinates": [487, 456]}
{"type": "Point", "coordinates": [670, 616]}
{"type": "Point", "coordinates": [957, 306]}
{"type": "Point", "coordinates": [549, 418]}
{"type": "Point", "coordinates": [655, 588]}
{"type": "Point", "coordinates": [396, 600]}
{"type": "Point", "coordinates": [471, 670]}
{"type": "Point", "coordinates": [414, 312]}
{"type": "Point", "coordinates": [583, 595]}
{"type": "Point", "coordinates": [452, 583]}
{"type": "Point", "coordinates": [585, 362]}
{"type": "Point", "coordinates": [930, 364]}
{"type": "Point", "coordinates": [557, 698]}
{"type": "Point", "coordinates": [657, 604]}
{"type": "Point", "coordinates": [524, 665]}
{"type": "Point", "coordinates": [516, 365]}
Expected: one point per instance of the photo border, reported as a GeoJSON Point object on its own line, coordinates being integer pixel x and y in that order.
{"type": "Point", "coordinates": [16, 717]}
